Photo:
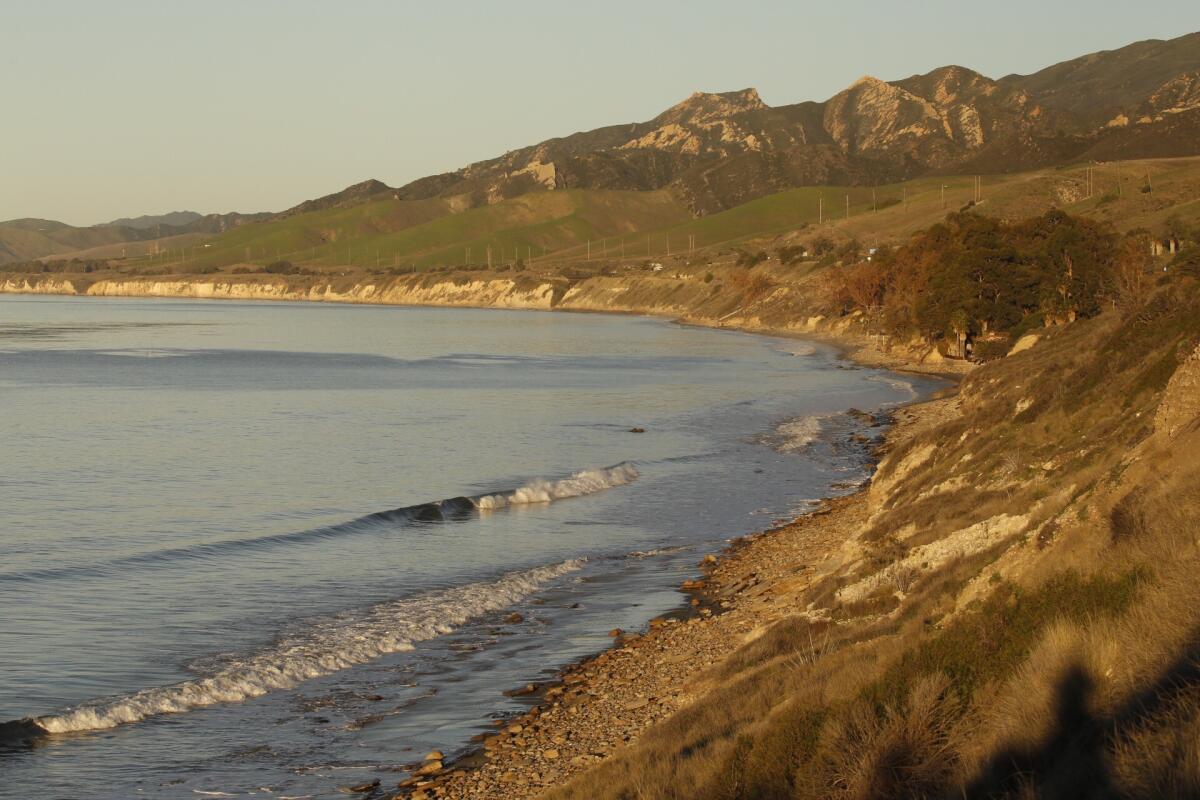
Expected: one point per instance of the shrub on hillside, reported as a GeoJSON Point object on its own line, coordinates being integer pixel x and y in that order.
{"type": "Point", "coordinates": [821, 246]}
{"type": "Point", "coordinates": [790, 254]}
{"type": "Point", "coordinates": [753, 285]}
{"type": "Point", "coordinates": [751, 260]}
{"type": "Point", "coordinates": [281, 268]}
{"type": "Point", "coordinates": [1186, 262]}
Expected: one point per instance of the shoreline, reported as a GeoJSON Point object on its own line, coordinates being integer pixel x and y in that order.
{"type": "Point", "coordinates": [599, 703]}
{"type": "Point", "coordinates": [538, 294]}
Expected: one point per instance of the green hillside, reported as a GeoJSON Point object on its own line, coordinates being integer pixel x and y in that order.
{"type": "Point", "coordinates": [24, 239]}
{"type": "Point", "coordinates": [426, 233]}
{"type": "Point", "coordinates": [591, 228]}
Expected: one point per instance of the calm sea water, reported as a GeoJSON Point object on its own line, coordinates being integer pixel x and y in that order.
{"type": "Point", "coordinates": [273, 549]}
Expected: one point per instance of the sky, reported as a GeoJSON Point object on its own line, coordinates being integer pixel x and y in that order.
{"type": "Point", "coordinates": [122, 108]}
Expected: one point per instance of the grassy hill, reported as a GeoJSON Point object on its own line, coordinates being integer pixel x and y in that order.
{"type": "Point", "coordinates": [24, 239]}
{"type": "Point", "coordinates": [594, 229]}
{"type": "Point", "coordinates": [428, 233]}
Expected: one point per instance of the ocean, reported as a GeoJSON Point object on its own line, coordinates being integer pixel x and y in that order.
{"type": "Point", "coordinates": [272, 549]}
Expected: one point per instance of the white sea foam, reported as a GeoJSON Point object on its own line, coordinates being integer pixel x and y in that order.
{"type": "Point", "coordinates": [143, 353]}
{"type": "Point", "coordinates": [658, 551]}
{"type": "Point", "coordinates": [331, 644]}
{"type": "Point", "coordinates": [797, 434]}
{"type": "Point", "coordinates": [588, 481]}
{"type": "Point", "coordinates": [899, 384]}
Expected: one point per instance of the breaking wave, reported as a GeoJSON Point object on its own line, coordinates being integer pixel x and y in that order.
{"type": "Point", "coordinates": [328, 645]}
{"type": "Point", "coordinates": [899, 384]}
{"type": "Point", "coordinates": [588, 481]}
{"type": "Point", "coordinates": [797, 434]}
{"type": "Point", "coordinates": [454, 509]}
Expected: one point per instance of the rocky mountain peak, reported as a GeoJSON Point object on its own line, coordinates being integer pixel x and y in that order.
{"type": "Point", "coordinates": [1178, 94]}
{"type": "Point", "coordinates": [708, 106]}
{"type": "Point", "coordinates": [719, 149]}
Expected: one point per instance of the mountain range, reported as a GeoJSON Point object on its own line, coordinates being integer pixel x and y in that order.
{"type": "Point", "coordinates": [714, 151]}
{"type": "Point", "coordinates": [720, 150]}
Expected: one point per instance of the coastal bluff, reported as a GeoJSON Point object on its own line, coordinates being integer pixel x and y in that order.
{"type": "Point", "coordinates": [781, 306]}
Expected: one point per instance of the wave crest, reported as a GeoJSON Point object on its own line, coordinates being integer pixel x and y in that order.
{"type": "Point", "coordinates": [588, 481]}
{"type": "Point", "coordinates": [797, 434]}
{"type": "Point", "coordinates": [331, 644]}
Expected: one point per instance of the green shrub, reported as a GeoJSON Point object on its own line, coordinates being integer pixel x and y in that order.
{"type": "Point", "coordinates": [988, 643]}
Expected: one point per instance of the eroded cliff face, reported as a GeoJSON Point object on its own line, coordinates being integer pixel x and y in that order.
{"type": "Point", "coordinates": [781, 307]}
{"type": "Point", "coordinates": [37, 286]}
{"type": "Point", "coordinates": [490, 293]}
{"type": "Point", "coordinates": [1180, 407]}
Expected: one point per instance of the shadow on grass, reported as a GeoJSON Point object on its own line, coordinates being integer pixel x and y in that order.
{"type": "Point", "coordinates": [1074, 760]}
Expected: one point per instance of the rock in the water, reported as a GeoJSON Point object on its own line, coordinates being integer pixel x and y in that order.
{"type": "Point", "coordinates": [637, 430]}
{"type": "Point", "coordinates": [362, 788]}
{"type": "Point", "coordinates": [430, 768]}
{"type": "Point", "coordinates": [434, 755]}
{"type": "Point", "coordinates": [615, 632]}
{"type": "Point", "coordinates": [514, 618]}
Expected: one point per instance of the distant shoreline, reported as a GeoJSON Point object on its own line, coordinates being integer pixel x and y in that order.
{"type": "Point", "coordinates": [781, 314]}
{"type": "Point", "coordinates": [727, 600]}
{"type": "Point", "coordinates": [594, 705]}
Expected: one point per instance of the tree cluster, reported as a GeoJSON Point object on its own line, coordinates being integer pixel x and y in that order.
{"type": "Point", "coordinates": [974, 276]}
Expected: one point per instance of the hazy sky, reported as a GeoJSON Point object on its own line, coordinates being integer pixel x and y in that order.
{"type": "Point", "coordinates": [112, 109]}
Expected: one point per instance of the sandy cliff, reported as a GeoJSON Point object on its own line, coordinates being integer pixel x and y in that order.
{"type": "Point", "coordinates": [776, 307]}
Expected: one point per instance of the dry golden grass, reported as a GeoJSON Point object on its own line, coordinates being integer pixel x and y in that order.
{"type": "Point", "coordinates": [1059, 661]}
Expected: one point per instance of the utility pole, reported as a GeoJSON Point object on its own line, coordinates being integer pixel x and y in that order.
{"type": "Point", "coordinates": [874, 205]}
{"type": "Point", "coordinates": [847, 206]}
{"type": "Point", "coordinates": [589, 250]}
{"type": "Point", "coordinates": [668, 245]}
{"type": "Point", "coordinates": [820, 210]}
{"type": "Point", "coordinates": [1120, 190]}
{"type": "Point", "coordinates": [943, 197]}
{"type": "Point", "coordinates": [489, 256]}
{"type": "Point", "coordinates": [622, 248]}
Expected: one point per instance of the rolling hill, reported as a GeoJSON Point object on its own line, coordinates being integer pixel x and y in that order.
{"type": "Point", "coordinates": [29, 239]}
{"type": "Point", "coordinates": [718, 168]}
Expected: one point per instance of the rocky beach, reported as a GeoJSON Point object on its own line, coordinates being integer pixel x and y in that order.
{"type": "Point", "coordinates": [595, 708]}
